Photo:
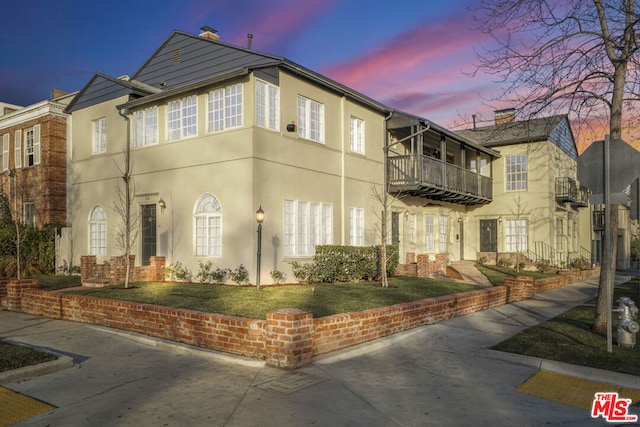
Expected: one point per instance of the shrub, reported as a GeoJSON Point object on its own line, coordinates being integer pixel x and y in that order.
{"type": "Point", "coordinates": [333, 263]}
{"type": "Point", "coordinates": [482, 260]}
{"type": "Point", "coordinates": [176, 272]}
{"type": "Point", "coordinates": [219, 276]}
{"type": "Point", "coordinates": [505, 262]}
{"type": "Point", "coordinates": [204, 273]}
{"type": "Point", "coordinates": [580, 263]}
{"type": "Point", "coordinates": [276, 275]}
{"type": "Point", "coordinates": [542, 265]}
{"type": "Point", "coordinates": [240, 275]}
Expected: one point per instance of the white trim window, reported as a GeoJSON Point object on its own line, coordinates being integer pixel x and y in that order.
{"type": "Point", "coordinates": [559, 234]}
{"type": "Point", "coordinates": [357, 135]}
{"type": "Point", "coordinates": [444, 233]}
{"type": "Point", "coordinates": [225, 108]}
{"type": "Point", "coordinates": [182, 118]}
{"type": "Point", "coordinates": [32, 146]}
{"type": "Point", "coordinates": [429, 233]}
{"type": "Point", "coordinates": [145, 127]}
{"type": "Point", "coordinates": [356, 226]}
{"type": "Point", "coordinates": [267, 105]}
{"type": "Point", "coordinates": [98, 231]}
{"type": "Point", "coordinates": [207, 226]}
{"type": "Point", "coordinates": [306, 225]}
{"type": "Point", "coordinates": [516, 172]}
{"type": "Point", "coordinates": [29, 214]}
{"type": "Point", "coordinates": [310, 119]}
{"type": "Point", "coordinates": [5, 152]}
{"type": "Point", "coordinates": [100, 135]}
{"type": "Point", "coordinates": [516, 235]}
{"type": "Point", "coordinates": [17, 151]}
{"type": "Point", "coordinates": [412, 228]}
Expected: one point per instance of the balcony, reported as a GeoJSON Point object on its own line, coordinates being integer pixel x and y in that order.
{"type": "Point", "coordinates": [425, 176]}
{"type": "Point", "coordinates": [567, 190]}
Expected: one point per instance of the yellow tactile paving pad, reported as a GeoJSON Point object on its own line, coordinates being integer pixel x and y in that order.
{"type": "Point", "coordinates": [16, 407]}
{"type": "Point", "coordinates": [571, 391]}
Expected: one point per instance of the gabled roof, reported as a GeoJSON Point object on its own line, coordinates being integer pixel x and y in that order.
{"type": "Point", "coordinates": [187, 61]}
{"type": "Point", "coordinates": [556, 129]}
{"type": "Point", "coordinates": [103, 88]}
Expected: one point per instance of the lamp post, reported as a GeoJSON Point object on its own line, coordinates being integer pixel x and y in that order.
{"type": "Point", "coordinates": [259, 220]}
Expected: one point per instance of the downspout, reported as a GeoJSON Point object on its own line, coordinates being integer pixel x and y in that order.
{"type": "Point", "coordinates": [127, 178]}
{"type": "Point", "coordinates": [343, 208]}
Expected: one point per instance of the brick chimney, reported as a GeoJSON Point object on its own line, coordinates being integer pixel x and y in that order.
{"type": "Point", "coordinates": [508, 115]}
{"type": "Point", "coordinates": [209, 33]}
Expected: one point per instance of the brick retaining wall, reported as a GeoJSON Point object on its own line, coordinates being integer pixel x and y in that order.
{"type": "Point", "coordinates": [288, 338]}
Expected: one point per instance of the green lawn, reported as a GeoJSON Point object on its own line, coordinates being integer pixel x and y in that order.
{"type": "Point", "coordinates": [569, 338]}
{"type": "Point", "coordinates": [319, 299]}
{"type": "Point", "coordinates": [496, 275]}
{"type": "Point", "coordinates": [16, 356]}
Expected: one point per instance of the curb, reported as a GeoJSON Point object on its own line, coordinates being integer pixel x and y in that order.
{"type": "Point", "coordinates": [581, 372]}
{"type": "Point", "coordinates": [184, 348]}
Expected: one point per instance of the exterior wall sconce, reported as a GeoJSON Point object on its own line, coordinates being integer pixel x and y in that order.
{"type": "Point", "coordinates": [499, 220]}
{"type": "Point", "coordinates": [259, 220]}
{"type": "Point", "coordinates": [162, 204]}
{"type": "Point", "coordinates": [291, 127]}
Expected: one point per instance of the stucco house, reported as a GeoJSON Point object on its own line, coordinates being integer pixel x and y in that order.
{"type": "Point", "coordinates": [540, 209]}
{"type": "Point", "coordinates": [215, 131]}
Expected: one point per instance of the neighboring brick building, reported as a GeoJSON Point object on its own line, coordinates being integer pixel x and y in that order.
{"type": "Point", "coordinates": [33, 150]}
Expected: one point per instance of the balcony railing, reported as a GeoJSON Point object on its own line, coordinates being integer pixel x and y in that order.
{"type": "Point", "coordinates": [567, 190]}
{"type": "Point", "coordinates": [428, 177]}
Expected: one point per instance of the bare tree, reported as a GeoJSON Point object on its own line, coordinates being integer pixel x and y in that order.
{"type": "Point", "coordinates": [579, 57]}
{"type": "Point", "coordinates": [127, 230]}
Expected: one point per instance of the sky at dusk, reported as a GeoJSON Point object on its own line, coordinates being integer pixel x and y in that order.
{"type": "Point", "coordinates": [412, 55]}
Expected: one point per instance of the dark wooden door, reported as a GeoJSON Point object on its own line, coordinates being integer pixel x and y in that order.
{"type": "Point", "coordinates": [488, 235]}
{"type": "Point", "coordinates": [395, 228]}
{"type": "Point", "coordinates": [148, 232]}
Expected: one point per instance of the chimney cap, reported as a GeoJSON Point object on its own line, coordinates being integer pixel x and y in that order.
{"type": "Point", "coordinates": [209, 33]}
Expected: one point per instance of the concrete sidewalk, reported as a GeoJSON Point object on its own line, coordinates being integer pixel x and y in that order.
{"type": "Point", "coordinates": [437, 375]}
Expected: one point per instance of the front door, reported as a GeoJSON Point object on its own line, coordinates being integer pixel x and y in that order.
{"type": "Point", "coordinates": [488, 235]}
{"type": "Point", "coordinates": [148, 232]}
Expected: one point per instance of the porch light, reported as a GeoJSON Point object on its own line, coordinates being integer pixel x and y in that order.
{"type": "Point", "coordinates": [162, 204]}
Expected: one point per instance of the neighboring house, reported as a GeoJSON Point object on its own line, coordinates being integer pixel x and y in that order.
{"type": "Point", "coordinates": [538, 203]}
{"type": "Point", "coordinates": [33, 163]}
{"type": "Point", "coordinates": [216, 131]}
{"type": "Point", "coordinates": [624, 192]}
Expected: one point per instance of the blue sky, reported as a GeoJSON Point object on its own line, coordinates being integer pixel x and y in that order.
{"type": "Point", "coordinates": [409, 54]}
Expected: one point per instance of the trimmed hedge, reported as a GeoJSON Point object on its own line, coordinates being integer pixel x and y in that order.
{"type": "Point", "coordinates": [333, 263]}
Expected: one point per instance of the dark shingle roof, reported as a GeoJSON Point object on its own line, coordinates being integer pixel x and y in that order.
{"type": "Point", "coordinates": [519, 132]}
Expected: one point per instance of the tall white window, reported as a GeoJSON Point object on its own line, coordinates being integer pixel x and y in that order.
{"type": "Point", "coordinates": [29, 213]}
{"type": "Point", "coordinates": [100, 135]}
{"type": "Point", "coordinates": [225, 108]}
{"type": "Point", "coordinates": [17, 150]}
{"type": "Point", "coordinates": [429, 233]}
{"type": "Point", "coordinates": [516, 235]}
{"type": "Point", "coordinates": [356, 227]}
{"type": "Point", "coordinates": [145, 127]}
{"type": "Point", "coordinates": [357, 135]}
{"type": "Point", "coordinates": [310, 119]}
{"type": "Point", "coordinates": [207, 219]}
{"type": "Point", "coordinates": [5, 152]}
{"type": "Point", "coordinates": [267, 105]}
{"type": "Point", "coordinates": [516, 172]}
{"type": "Point", "coordinates": [306, 225]}
{"type": "Point", "coordinates": [444, 233]}
{"type": "Point", "coordinates": [98, 231]}
{"type": "Point", "coordinates": [182, 118]}
{"type": "Point", "coordinates": [412, 227]}
{"type": "Point", "coordinates": [559, 234]}
{"type": "Point", "coordinates": [32, 148]}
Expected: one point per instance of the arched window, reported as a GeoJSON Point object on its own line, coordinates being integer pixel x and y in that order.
{"type": "Point", "coordinates": [98, 231]}
{"type": "Point", "coordinates": [207, 225]}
